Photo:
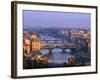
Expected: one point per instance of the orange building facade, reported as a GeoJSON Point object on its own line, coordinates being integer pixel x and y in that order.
{"type": "Point", "coordinates": [31, 43]}
{"type": "Point", "coordinates": [26, 46]}
{"type": "Point", "coordinates": [35, 42]}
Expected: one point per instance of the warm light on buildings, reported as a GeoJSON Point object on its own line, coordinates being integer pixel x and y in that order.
{"type": "Point", "coordinates": [26, 46]}
{"type": "Point", "coordinates": [33, 36]}
{"type": "Point", "coordinates": [87, 36]}
{"type": "Point", "coordinates": [36, 43]}
{"type": "Point", "coordinates": [72, 60]}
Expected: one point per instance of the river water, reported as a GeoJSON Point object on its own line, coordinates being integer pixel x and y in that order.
{"type": "Point", "coordinates": [57, 55]}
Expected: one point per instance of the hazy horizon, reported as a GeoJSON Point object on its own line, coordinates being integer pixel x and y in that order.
{"type": "Point", "coordinates": [44, 19]}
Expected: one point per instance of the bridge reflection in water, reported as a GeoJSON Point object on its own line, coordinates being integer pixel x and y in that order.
{"type": "Point", "coordinates": [57, 55]}
{"type": "Point", "coordinates": [58, 51]}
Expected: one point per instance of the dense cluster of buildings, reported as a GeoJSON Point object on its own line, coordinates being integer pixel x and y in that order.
{"type": "Point", "coordinates": [31, 43]}
{"type": "Point", "coordinates": [81, 37]}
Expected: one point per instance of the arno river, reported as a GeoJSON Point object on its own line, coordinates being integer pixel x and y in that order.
{"type": "Point", "coordinates": [57, 56]}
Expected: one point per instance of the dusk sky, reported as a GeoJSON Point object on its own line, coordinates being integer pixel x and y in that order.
{"type": "Point", "coordinates": [39, 19]}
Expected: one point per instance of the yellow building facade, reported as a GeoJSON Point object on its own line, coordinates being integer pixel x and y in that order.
{"type": "Point", "coordinates": [35, 42]}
